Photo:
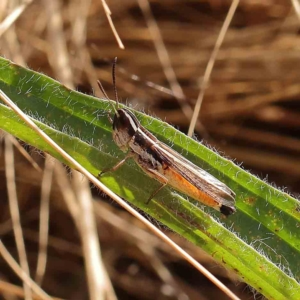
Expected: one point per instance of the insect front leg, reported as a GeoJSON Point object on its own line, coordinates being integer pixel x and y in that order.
{"type": "Point", "coordinates": [118, 165]}
{"type": "Point", "coordinates": [162, 179]}
{"type": "Point", "coordinates": [109, 118]}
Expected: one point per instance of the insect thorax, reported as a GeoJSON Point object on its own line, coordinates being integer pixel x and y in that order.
{"type": "Point", "coordinates": [125, 126]}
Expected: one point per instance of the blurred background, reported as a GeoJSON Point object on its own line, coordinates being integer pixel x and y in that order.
{"type": "Point", "coordinates": [250, 112]}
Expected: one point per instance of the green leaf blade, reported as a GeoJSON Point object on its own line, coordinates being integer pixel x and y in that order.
{"type": "Point", "coordinates": [261, 236]}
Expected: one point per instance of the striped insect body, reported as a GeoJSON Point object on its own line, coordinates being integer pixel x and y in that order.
{"type": "Point", "coordinates": [162, 163]}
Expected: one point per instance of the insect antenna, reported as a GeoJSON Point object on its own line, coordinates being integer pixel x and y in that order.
{"type": "Point", "coordinates": [102, 89]}
{"type": "Point", "coordinates": [114, 81]}
{"type": "Point", "coordinates": [115, 108]}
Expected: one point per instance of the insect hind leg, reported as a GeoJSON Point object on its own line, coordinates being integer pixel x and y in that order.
{"type": "Point", "coordinates": [162, 179]}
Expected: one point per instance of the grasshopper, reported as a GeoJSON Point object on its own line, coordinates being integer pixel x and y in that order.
{"type": "Point", "coordinates": [162, 163]}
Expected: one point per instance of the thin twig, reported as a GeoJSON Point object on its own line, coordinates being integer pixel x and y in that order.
{"type": "Point", "coordinates": [210, 65]}
{"type": "Point", "coordinates": [112, 26]}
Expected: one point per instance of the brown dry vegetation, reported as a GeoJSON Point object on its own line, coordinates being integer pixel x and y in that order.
{"type": "Point", "coordinates": [250, 112]}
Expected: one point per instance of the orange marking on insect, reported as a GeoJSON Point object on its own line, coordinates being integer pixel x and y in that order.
{"type": "Point", "coordinates": [180, 183]}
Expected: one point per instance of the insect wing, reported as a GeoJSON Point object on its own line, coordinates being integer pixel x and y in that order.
{"type": "Point", "coordinates": [197, 176]}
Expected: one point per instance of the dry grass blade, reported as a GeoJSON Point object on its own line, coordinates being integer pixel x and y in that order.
{"type": "Point", "coordinates": [162, 271]}
{"type": "Point", "coordinates": [44, 220]}
{"type": "Point", "coordinates": [89, 238]}
{"type": "Point", "coordinates": [68, 194]}
{"type": "Point", "coordinates": [14, 210]}
{"type": "Point", "coordinates": [83, 217]}
{"type": "Point", "coordinates": [58, 55]}
{"type": "Point", "coordinates": [296, 5]}
{"type": "Point", "coordinates": [13, 46]}
{"type": "Point", "coordinates": [79, 27]}
{"type": "Point", "coordinates": [211, 63]}
{"type": "Point", "coordinates": [112, 26]}
{"type": "Point", "coordinates": [83, 63]}
{"type": "Point", "coordinates": [24, 153]}
{"type": "Point", "coordinates": [256, 102]}
{"type": "Point", "coordinates": [256, 136]}
{"type": "Point", "coordinates": [13, 16]}
{"type": "Point", "coordinates": [10, 290]}
{"type": "Point", "coordinates": [22, 274]}
{"type": "Point", "coordinates": [164, 58]}
{"type": "Point", "coordinates": [107, 191]}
